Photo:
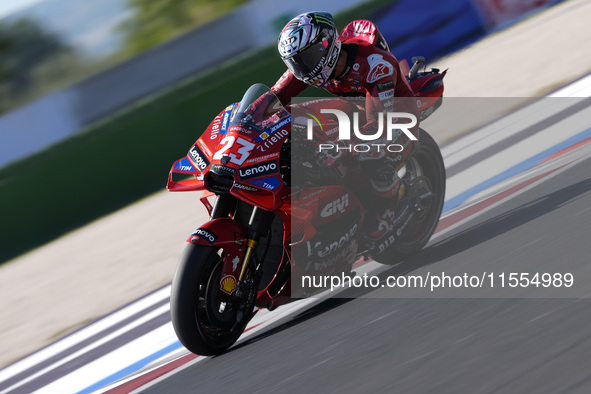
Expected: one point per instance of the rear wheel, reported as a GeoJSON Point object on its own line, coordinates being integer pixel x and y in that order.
{"type": "Point", "coordinates": [425, 179]}
{"type": "Point", "coordinates": [206, 320]}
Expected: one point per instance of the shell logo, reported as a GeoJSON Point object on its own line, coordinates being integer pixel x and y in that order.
{"type": "Point", "coordinates": [228, 284]}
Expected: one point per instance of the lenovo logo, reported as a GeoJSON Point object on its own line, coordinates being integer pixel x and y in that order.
{"type": "Point", "coordinates": [198, 158]}
{"type": "Point", "coordinates": [255, 171]}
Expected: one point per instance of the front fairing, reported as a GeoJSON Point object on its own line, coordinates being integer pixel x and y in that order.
{"type": "Point", "coordinates": [239, 153]}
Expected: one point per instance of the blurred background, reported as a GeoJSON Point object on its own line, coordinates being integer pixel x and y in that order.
{"type": "Point", "coordinates": [97, 99]}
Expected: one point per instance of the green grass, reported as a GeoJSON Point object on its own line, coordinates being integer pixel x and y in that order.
{"type": "Point", "coordinates": [117, 161]}
{"type": "Point", "coordinates": [126, 157]}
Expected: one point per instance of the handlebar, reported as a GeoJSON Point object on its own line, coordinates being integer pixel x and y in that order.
{"type": "Point", "coordinates": [418, 62]}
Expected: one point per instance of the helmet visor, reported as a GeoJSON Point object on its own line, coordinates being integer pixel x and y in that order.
{"type": "Point", "coordinates": [309, 62]}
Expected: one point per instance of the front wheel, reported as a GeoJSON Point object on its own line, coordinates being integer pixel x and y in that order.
{"type": "Point", "coordinates": [206, 320]}
{"type": "Point", "coordinates": [425, 179]}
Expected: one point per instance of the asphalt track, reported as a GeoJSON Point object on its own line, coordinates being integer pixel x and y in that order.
{"type": "Point", "coordinates": [505, 213]}
{"type": "Point", "coordinates": [533, 216]}
{"type": "Point", "coordinates": [439, 345]}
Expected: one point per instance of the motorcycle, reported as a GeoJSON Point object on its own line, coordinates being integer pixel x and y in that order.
{"type": "Point", "coordinates": [264, 231]}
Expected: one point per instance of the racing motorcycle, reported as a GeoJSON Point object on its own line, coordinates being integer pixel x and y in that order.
{"type": "Point", "coordinates": [264, 230]}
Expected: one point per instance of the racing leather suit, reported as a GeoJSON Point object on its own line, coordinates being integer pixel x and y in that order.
{"type": "Point", "coordinates": [372, 73]}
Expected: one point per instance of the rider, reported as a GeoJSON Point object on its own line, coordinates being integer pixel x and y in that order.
{"type": "Point", "coordinates": [355, 63]}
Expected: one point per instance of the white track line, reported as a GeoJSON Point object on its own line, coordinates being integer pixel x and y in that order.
{"type": "Point", "coordinates": [454, 152]}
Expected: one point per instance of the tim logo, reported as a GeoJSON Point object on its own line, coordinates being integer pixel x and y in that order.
{"type": "Point", "coordinates": [335, 207]}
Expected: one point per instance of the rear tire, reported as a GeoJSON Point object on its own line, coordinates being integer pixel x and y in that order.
{"type": "Point", "coordinates": [424, 166]}
{"type": "Point", "coordinates": [200, 323]}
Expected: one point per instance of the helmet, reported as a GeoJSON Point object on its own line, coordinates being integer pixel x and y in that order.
{"type": "Point", "coordinates": [309, 45]}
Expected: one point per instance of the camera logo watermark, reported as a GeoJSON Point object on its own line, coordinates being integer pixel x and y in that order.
{"type": "Point", "coordinates": [390, 126]}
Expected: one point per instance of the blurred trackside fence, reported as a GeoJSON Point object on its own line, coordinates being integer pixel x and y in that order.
{"type": "Point", "coordinates": [433, 29]}
{"type": "Point", "coordinates": [65, 112]}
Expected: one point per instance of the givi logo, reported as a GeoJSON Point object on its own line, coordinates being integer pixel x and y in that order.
{"type": "Point", "coordinates": [337, 206]}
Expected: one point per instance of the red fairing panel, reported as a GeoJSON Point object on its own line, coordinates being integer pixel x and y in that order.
{"type": "Point", "coordinates": [229, 235]}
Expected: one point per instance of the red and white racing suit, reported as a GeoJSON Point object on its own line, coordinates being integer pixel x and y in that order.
{"type": "Point", "coordinates": [372, 73]}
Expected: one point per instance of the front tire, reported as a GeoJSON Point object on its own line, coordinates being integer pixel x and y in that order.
{"type": "Point", "coordinates": [426, 171]}
{"type": "Point", "coordinates": [203, 317]}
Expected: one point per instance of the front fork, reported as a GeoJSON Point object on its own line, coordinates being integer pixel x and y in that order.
{"type": "Point", "coordinates": [259, 226]}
